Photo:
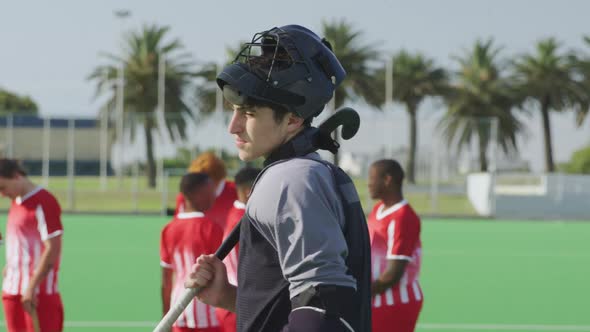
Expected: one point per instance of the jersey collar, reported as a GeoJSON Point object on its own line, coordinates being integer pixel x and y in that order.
{"type": "Point", "coordinates": [384, 213]}
{"type": "Point", "coordinates": [220, 188]}
{"type": "Point", "coordinates": [189, 215]}
{"type": "Point", "coordinates": [239, 205]}
{"type": "Point", "coordinates": [19, 200]}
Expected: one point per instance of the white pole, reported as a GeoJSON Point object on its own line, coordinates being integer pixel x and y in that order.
{"type": "Point", "coordinates": [46, 147]}
{"type": "Point", "coordinates": [104, 143]}
{"type": "Point", "coordinates": [71, 165]}
{"type": "Point", "coordinates": [493, 163]}
{"type": "Point", "coordinates": [161, 109]}
{"type": "Point", "coordinates": [122, 15]}
{"type": "Point", "coordinates": [434, 165]}
{"type": "Point", "coordinates": [120, 119]}
{"type": "Point", "coordinates": [161, 82]}
{"type": "Point", "coordinates": [164, 192]}
{"type": "Point", "coordinates": [136, 184]}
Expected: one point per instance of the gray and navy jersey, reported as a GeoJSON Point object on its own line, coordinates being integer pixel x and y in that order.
{"type": "Point", "coordinates": [297, 209]}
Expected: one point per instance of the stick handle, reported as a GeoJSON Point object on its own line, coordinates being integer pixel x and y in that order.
{"type": "Point", "coordinates": [35, 319]}
{"type": "Point", "coordinates": [189, 294]}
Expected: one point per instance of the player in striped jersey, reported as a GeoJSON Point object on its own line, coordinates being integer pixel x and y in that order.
{"type": "Point", "coordinates": [396, 251]}
{"type": "Point", "coordinates": [244, 180]}
{"type": "Point", "coordinates": [33, 249]}
{"type": "Point", "coordinates": [189, 235]}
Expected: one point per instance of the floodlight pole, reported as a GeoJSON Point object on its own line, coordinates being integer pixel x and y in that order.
{"type": "Point", "coordinates": [160, 113]}
{"type": "Point", "coordinates": [121, 15]}
{"type": "Point", "coordinates": [104, 141]}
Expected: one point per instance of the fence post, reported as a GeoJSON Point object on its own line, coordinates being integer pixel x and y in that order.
{"type": "Point", "coordinates": [71, 165]}
{"type": "Point", "coordinates": [46, 147]}
{"type": "Point", "coordinates": [164, 192]}
{"type": "Point", "coordinates": [104, 136]}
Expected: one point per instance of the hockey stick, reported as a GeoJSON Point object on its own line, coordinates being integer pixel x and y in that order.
{"type": "Point", "coordinates": [346, 117]}
{"type": "Point", "coordinates": [189, 294]}
{"type": "Point", "coordinates": [35, 319]}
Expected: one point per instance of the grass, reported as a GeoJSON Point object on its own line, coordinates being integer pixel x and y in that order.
{"type": "Point", "coordinates": [492, 274]}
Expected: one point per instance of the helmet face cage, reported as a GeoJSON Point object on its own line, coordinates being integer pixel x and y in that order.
{"type": "Point", "coordinates": [268, 53]}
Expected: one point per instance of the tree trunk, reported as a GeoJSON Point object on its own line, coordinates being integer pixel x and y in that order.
{"type": "Point", "coordinates": [411, 162]}
{"type": "Point", "coordinates": [149, 143]}
{"type": "Point", "coordinates": [483, 159]}
{"type": "Point", "coordinates": [549, 166]}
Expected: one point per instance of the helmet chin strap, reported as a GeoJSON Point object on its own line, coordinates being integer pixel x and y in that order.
{"type": "Point", "coordinates": [312, 139]}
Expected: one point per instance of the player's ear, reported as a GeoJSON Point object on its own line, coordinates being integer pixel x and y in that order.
{"type": "Point", "coordinates": [294, 122]}
{"type": "Point", "coordinates": [388, 180]}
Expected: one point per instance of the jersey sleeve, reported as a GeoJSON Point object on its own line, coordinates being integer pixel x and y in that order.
{"type": "Point", "coordinates": [165, 250]}
{"type": "Point", "coordinates": [48, 215]}
{"type": "Point", "coordinates": [402, 235]}
{"type": "Point", "coordinates": [306, 230]}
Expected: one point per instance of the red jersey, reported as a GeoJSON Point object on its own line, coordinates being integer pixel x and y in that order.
{"type": "Point", "coordinates": [231, 261]}
{"type": "Point", "coordinates": [32, 219]}
{"type": "Point", "coordinates": [395, 234]}
{"type": "Point", "coordinates": [186, 237]}
{"type": "Point", "coordinates": [225, 196]}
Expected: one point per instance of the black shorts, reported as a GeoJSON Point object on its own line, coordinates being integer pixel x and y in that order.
{"type": "Point", "coordinates": [312, 319]}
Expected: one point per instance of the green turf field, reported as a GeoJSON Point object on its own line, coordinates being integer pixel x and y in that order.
{"type": "Point", "coordinates": [477, 275]}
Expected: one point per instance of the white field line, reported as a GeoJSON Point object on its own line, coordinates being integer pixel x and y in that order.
{"type": "Point", "coordinates": [423, 326]}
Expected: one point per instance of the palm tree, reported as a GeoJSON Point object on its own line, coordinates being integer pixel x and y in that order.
{"type": "Point", "coordinates": [141, 55]}
{"type": "Point", "coordinates": [480, 95]}
{"type": "Point", "coordinates": [415, 77]}
{"type": "Point", "coordinates": [583, 70]}
{"type": "Point", "coordinates": [548, 78]}
{"type": "Point", "coordinates": [356, 58]}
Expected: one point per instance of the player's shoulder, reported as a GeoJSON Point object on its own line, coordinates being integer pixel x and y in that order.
{"type": "Point", "coordinates": [296, 169]}
{"type": "Point", "coordinates": [406, 212]}
{"type": "Point", "coordinates": [45, 198]}
{"type": "Point", "coordinates": [171, 225]}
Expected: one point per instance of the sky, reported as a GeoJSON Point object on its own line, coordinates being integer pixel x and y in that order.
{"type": "Point", "coordinates": [48, 48]}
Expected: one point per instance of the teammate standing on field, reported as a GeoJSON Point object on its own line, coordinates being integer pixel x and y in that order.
{"type": "Point", "coordinates": [396, 251]}
{"type": "Point", "coordinates": [304, 252]}
{"type": "Point", "coordinates": [33, 249]}
{"type": "Point", "coordinates": [244, 180]}
{"type": "Point", "coordinates": [225, 190]}
{"type": "Point", "coordinates": [189, 235]}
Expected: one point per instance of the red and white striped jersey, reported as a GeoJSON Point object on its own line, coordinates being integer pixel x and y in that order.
{"type": "Point", "coordinates": [32, 219]}
{"type": "Point", "coordinates": [395, 234]}
{"type": "Point", "coordinates": [186, 237]}
{"type": "Point", "coordinates": [231, 260]}
{"type": "Point", "coordinates": [225, 195]}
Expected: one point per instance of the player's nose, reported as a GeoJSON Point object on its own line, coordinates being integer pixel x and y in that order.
{"type": "Point", "coordinates": [236, 125]}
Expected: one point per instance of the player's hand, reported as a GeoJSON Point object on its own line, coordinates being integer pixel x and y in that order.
{"type": "Point", "coordinates": [210, 275]}
{"type": "Point", "coordinates": [29, 301]}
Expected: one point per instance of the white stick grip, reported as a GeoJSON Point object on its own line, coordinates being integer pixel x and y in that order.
{"type": "Point", "coordinates": [172, 315]}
